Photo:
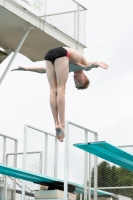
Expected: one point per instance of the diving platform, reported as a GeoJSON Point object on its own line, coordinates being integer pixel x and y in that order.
{"type": "Point", "coordinates": [77, 177]}
{"type": "Point", "coordinates": [15, 19]}
{"type": "Point", "coordinates": [108, 152]}
{"type": "Point", "coordinates": [52, 183]}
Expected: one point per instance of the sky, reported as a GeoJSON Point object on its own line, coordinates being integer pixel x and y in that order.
{"type": "Point", "coordinates": [106, 106]}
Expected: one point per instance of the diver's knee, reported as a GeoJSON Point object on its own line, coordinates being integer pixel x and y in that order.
{"type": "Point", "coordinates": [60, 89]}
{"type": "Point", "coordinates": [53, 91]}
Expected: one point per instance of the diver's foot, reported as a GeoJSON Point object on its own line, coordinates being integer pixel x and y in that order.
{"type": "Point", "coordinates": [60, 132]}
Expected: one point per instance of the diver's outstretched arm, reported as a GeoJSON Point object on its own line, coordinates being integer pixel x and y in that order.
{"type": "Point", "coordinates": [91, 65]}
{"type": "Point", "coordinates": [38, 67]}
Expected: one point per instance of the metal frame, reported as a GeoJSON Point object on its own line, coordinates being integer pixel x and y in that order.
{"type": "Point", "coordinates": [15, 165]}
{"type": "Point", "coordinates": [89, 178]}
{"type": "Point", "coordinates": [86, 168]}
{"type": "Point", "coordinates": [5, 137]}
{"type": "Point", "coordinates": [4, 146]}
{"type": "Point", "coordinates": [76, 29]}
{"type": "Point", "coordinates": [86, 188]}
{"type": "Point", "coordinates": [66, 161]}
{"type": "Point", "coordinates": [80, 5]}
{"type": "Point", "coordinates": [44, 171]}
{"type": "Point", "coordinates": [30, 152]}
{"type": "Point", "coordinates": [44, 16]}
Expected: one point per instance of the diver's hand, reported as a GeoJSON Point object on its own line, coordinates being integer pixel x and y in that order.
{"type": "Point", "coordinates": [18, 68]}
{"type": "Point", "coordinates": [103, 65]}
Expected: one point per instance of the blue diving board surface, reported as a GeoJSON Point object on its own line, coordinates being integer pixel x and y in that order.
{"type": "Point", "coordinates": [53, 183]}
{"type": "Point", "coordinates": [108, 152]}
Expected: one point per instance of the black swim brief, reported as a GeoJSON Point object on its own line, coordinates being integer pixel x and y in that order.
{"type": "Point", "coordinates": [55, 53]}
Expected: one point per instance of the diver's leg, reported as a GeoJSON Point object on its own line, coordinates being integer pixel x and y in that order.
{"type": "Point", "coordinates": [62, 71]}
{"type": "Point", "coordinates": [50, 71]}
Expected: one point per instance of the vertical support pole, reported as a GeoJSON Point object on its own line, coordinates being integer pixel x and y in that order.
{"type": "Point", "coordinates": [77, 26]}
{"type": "Point", "coordinates": [15, 165]}
{"type": "Point", "coordinates": [45, 9]}
{"type": "Point", "coordinates": [14, 55]}
{"type": "Point", "coordinates": [85, 168]}
{"type": "Point", "coordinates": [45, 153]}
{"type": "Point", "coordinates": [95, 171]}
{"type": "Point", "coordinates": [44, 15]}
{"type": "Point", "coordinates": [24, 160]}
{"type": "Point", "coordinates": [56, 158]}
{"type": "Point", "coordinates": [5, 197]}
{"type": "Point", "coordinates": [4, 162]}
{"type": "Point", "coordinates": [89, 185]}
{"type": "Point", "coordinates": [4, 151]}
{"type": "Point", "coordinates": [41, 160]}
{"type": "Point", "coordinates": [66, 160]}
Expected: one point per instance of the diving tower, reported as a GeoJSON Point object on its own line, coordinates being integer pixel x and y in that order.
{"type": "Point", "coordinates": [33, 32]}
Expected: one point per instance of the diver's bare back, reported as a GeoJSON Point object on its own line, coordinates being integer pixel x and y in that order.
{"type": "Point", "coordinates": [75, 56]}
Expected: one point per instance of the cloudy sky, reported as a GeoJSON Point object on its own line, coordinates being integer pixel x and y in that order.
{"type": "Point", "coordinates": [106, 106]}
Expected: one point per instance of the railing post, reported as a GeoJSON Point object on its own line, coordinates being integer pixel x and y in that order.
{"type": "Point", "coordinates": [24, 160]}
{"type": "Point", "coordinates": [4, 150]}
{"type": "Point", "coordinates": [89, 184]}
{"type": "Point", "coordinates": [85, 168]}
{"type": "Point", "coordinates": [56, 158]}
{"type": "Point", "coordinates": [41, 162]}
{"type": "Point", "coordinates": [75, 22]}
{"type": "Point", "coordinates": [77, 26]}
{"type": "Point", "coordinates": [15, 165]}
{"type": "Point", "coordinates": [95, 171]}
{"type": "Point", "coordinates": [66, 160]}
{"type": "Point", "coordinates": [45, 154]}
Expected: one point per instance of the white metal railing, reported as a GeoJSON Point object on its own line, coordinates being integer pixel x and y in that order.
{"type": "Point", "coordinates": [45, 150]}
{"type": "Point", "coordinates": [14, 150]}
{"type": "Point", "coordinates": [67, 16]}
{"type": "Point", "coordinates": [20, 185]}
{"type": "Point", "coordinates": [5, 137]}
{"type": "Point", "coordinates": [87, 163]}
{"type": "Point", "coordinates": [46, 136]}
{"type": "Point", "coordinates": [33, 134]}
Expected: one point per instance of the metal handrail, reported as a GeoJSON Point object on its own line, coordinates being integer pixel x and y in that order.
{"type": "Point", "coordinates": [5, 137]}
{"type": "Point", "coordinates": [61, 13]}
{"type": "Point", "coordinates": [21, 153]}
{"type": "Point", "coordinates": [44, 16]}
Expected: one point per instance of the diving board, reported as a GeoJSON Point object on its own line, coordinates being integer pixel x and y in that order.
{"type": "Point", "coordinates": [108, 152]}
{"type": "Point", "coordinates": [53, 183]}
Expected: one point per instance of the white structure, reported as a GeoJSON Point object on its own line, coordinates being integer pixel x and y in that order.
{"type": "Point", "coordinates": [32, 27]}
{"type": "Point", "coordinates": [42, 155]}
